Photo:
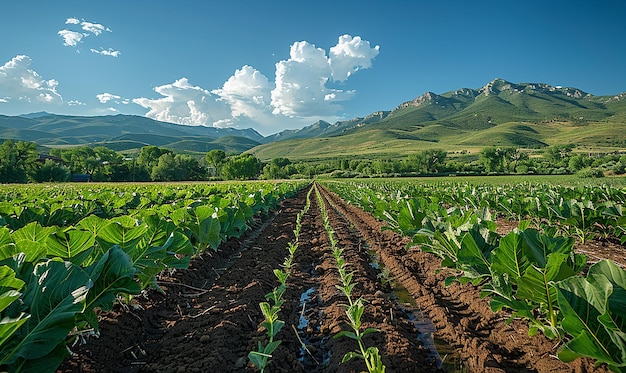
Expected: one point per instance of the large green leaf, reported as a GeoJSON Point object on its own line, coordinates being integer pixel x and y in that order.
{"type": "Point", "coordinates": [614, 317]}
{"type": "Point", "coordinates": [60, 216]}
{"type": "Point", "coordinates": [48, 363]}
{"type": "Point", "coordinates": [8, 281]}
{"type": "Point", "coordinates": [55, 294]}
{"type": "Point", "coordinates": [161, 246]}
{"type": "Point", "coordinates": [33, 232]}
{"type": "Point", "coordinates": [441, 245]}
{"type": "Point", "coordinates": [123, 231]}
{"type": "Point", "coordinates": [509, 257]}
{"type": "Point", "coordinates": [474, 256]}
{"type": "Point", "coordinates": [69, 244]}
{"type": "Point", "coordinates": [583, 302]}
{"type": "Point", "coordinates": [410, 216]}
{"type": "Point", "coordinates": [538, 246]}
{"type": "Point", "coordinates": [93, 224]}
{"type": "Point", "coordinates": [205, 227]}
{"type": "Point", "coordinates": [502, 295]}
{"type": "Point", "coordinates": [179, 250]}
{"type": "Point", "coordinates": [31, 214]}
{"type": "Point", "coordinates": [537, 286]}
{"type": "Point", "coordinates": [33, 250]}
{"type": "Point", "coordinates": [5, 236]}
{"type": "Point", "coordinates": [9, 293]}
{"type": "Point", "coordinates": [113, 273]}
{"type": "Point", "coordinates": [9, 325]}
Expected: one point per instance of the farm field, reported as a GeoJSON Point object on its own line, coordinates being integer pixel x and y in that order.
{"type": "Point", "coordinates": [332, 253]}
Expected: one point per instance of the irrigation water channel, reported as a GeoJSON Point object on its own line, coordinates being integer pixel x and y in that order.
{"type": "Point", "coordinates": [450, 361]}
{"type": "Point", "coordinates": [444, 354]}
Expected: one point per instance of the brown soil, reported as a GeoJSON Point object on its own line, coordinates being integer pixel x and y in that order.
{"type": "Point", "coordinates": [207, 318]}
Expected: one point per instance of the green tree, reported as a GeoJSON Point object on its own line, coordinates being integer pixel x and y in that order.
{"type": "Point", "coordinates": [242, 167]}
{"type": "Point", "coordinates": [515, 158]}
{"type": "Point", "coordinates": [149, 156]}
{"type": "Point", "coordinates": [215, 158]}
{"type": "Point", "coordinates": [80, 160]}
{"type": "Point", "coordinates": [433, 160]}
{"type": "Point", "coordinates": [51, 171]}
{"type": "Point", "coordinates": [189, 167]}
{"type": "Point", "coordinates": [165, 169]}
{"type": "Point", "coordinates": [428, 161]}
{"type": "Point", "coordinates": [16, 160]}
{"type": "Point", "coordinates": [278, 168]}
{"type": "Point", "coordinates": [177, 167]}
{"type": "Point", "coordinates": [500, 159]}
{"type": "Point", "coordinates": [578, 162]}
{"type": "Point", "coordinates": [558, 155]}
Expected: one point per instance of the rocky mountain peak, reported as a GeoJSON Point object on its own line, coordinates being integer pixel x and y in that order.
{"type": "Point", "coordinates": [427, 97]}
{"type": "Point", "coordinates": [496, 86]}
{"type": "Point", "coordinates": [465, 92]}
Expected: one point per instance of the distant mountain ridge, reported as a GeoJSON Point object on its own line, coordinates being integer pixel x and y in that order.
{"type": "Point", "coordinates": [499, 113]}
{"type": "Point", "coordinates": [322, 128]}
{"type": "Point", "coordinates": [121, 132]}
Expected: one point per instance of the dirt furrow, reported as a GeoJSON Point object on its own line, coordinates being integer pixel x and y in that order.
{"type": "Point", "coordinates": [483, 340]}
{"type": "Point", "coordinates": [207, 318]}
{"type": "Point", "coordinates": [398, 338]}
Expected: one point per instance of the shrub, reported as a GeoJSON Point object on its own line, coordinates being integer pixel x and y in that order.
{"type": "Point", "coordinates": [588, 173]}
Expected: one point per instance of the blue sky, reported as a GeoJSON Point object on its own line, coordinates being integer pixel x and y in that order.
{"type": "Point", "coordinates": [273, 65]}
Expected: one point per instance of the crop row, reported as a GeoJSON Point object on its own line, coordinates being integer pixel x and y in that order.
{"type": "Point", "coordinates": [355, 308]}
{"type": "Point", "coordinates": [274, 300]}
{"type": "Point", "coordinates": [583, 212]}
{"type": "Point", "coordinates": [533, 273]}
{"type": "Point", "coordinates": [54, 278]}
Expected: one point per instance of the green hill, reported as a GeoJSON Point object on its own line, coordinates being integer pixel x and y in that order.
{"type": "Point", "coordinates": [123, 133]}
{"type": "Point", "coordinates": [526, 115]}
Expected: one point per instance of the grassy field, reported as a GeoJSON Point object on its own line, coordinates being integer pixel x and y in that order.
{"type": "Point", "coordinates": [563, 180]}
{"type": "Point", "coordinates": [392, 143]}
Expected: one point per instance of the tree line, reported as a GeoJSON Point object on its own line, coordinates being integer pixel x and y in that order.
{"type": "Point", "coordinates": [20, 162]}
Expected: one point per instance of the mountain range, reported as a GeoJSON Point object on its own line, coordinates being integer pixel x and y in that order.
{"type": "Point", "coordinates": [501, 113]}
{"type": "Point", "coordinates": [124, 132]}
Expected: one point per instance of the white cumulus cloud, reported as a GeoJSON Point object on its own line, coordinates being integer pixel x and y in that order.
{"type": "Point", "coordinates": [299, 95]}
{"type": "Point", "coordinates": [184, 103]}
{"type": "Point", "coordinates": [106, 52]}
{"type": "Point", "coordinates": [301, 84]}
{"type": "Point", "coordinates": [247, 92]}
{"type": "Point", "coordinates": [350, 55]}
{"type": "Point", "coordinates": [71, 38]}
{"type": "Point", "coordinates": [82, 29]}
{"type": "Point", "coordinates": [106, 97]}
{"type": "Point", "coordinates": [20, 83]}
{"type": "Point", "coordinates": [94, 28]}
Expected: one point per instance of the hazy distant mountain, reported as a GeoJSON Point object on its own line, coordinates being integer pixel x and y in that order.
{"type": "Point", "coordinates": [322, 128]}
{"type": "Point", "coordinates": [130, 130]}
{"type": "Point", "coordinates": [499, 113]}
{"type": "Point", "coordinates": [38, 114]}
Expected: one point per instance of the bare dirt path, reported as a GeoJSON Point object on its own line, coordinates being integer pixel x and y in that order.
{"type": "Point", "coordinates": [206, 319]}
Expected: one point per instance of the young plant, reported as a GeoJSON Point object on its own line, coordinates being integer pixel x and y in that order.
{"type": "Point", "coordinates": [272, 325]}
{"type": "Point", "coordinates": [370, 355]}
{"type": "Point", "coordinates": [260, 357]}
{"type": "Point", "coordinates": [354, 309]}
